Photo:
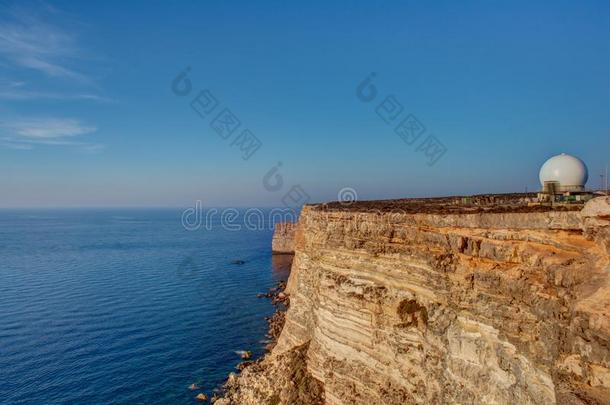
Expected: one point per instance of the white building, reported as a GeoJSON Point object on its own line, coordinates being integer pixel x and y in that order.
{"type": "Point", "coordinates": [563, 175]}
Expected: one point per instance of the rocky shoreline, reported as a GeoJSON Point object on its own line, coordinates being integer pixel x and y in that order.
{"type": "Point", "coordinates": [281, 301]}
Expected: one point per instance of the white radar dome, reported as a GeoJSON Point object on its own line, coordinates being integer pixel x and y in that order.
{"type": "Point", "coordinates": [567, 172]}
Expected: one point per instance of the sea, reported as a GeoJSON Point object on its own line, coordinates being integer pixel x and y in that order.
{"type": "Point", "coordinates": [126, 306]}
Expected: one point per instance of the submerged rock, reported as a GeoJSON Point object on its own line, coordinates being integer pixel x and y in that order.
{"type": "Point", "coordinates": [239, 262]}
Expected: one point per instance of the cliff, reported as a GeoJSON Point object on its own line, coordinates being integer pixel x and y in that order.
{"type": "Point", "coordinates": [283, 238]}
{"type": "Point", "coordinates": [427, 301]}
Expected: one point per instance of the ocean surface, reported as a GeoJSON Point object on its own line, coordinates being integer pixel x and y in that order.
{"type": "Point", "coordinates": [126, 306]}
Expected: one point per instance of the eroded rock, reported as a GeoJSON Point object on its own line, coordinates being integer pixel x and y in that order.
{"type": "Point", "coordinates": [468, 305]}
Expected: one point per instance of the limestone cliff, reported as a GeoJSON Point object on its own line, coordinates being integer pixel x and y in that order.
{"type": "Point", "coordinates": [283, 238]}
{"type": "Point", "coordinates": [431, 303]}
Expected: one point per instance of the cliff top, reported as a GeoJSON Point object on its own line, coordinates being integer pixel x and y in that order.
{"type": "Point", "coordinates": [483, 203]}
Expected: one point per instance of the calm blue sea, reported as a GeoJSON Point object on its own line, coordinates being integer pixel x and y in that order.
{"type": "Point", "coordinates": [126, 306]}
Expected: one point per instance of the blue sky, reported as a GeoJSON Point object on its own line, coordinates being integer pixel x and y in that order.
{"type": "Point", "coordinates": [88, 116]}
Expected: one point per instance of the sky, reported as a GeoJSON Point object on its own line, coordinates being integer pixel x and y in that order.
{"type": "Point", "coordinates": [136, 104]}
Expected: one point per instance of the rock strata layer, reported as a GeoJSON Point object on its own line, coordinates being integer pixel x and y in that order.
{"type": "Point", "coordinates": [433, 307]}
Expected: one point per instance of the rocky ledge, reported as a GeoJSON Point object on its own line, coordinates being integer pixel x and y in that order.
{"type": "Point", "coordinates": [434, 302]}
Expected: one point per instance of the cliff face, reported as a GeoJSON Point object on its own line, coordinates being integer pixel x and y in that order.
{"type": "Point", "coordinates": [283, 238]}
{"type": "Point", "coordinates": [422, 306]}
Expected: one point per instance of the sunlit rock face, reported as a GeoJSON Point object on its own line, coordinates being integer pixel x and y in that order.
{"type": "Point", "coordinates": [449, 308]}
{"type": "Point", "coordinates": [283, 238]}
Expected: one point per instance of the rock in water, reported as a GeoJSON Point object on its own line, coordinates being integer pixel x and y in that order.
{"type": "Point", "coordinates": [245, 355]}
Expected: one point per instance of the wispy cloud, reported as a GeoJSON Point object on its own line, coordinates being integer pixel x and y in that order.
{"type": "Point", "coordinates": [42, 61]}
{"type": "Point", "coordinates": [8, 143]}
{"type": "Point", "coordinates": [28, 41]}
{"type": "Point", "coordinates": [47, 128]}
{"type": "Point", "coordinates": [18, 90]}
{"type": "Point", "coordinates": [26, 133]}
{"type": "Point", "coordinates": [27, 95]}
